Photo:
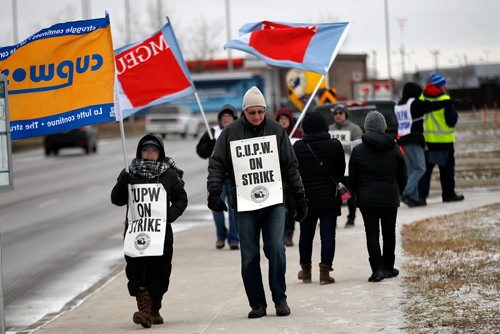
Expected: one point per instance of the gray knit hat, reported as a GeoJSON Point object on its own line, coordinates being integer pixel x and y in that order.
{"type": "Point", "coordinates": [375, 121]}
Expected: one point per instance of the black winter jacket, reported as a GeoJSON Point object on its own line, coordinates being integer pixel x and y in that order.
{"type": "Point", "coordinates": [176, 195]}
{"type": "Point", "coordinates": [220, 162]}
{"type": "Point", "coordinates": [377, 171]}
{"type": "Point", "coordinates": [320, 189]}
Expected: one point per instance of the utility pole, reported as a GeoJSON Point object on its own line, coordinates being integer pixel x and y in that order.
{"type": "Point", "coordinates": [228, 36]}
{"type": "Point", "coordinates": [402, 21]}
{"type": "Point", "coordinates": [128, 34]}
{"type": "Point", "coordinates": [435, 53]}
{"type": "Point", "coordinates": [374, 55]}
{"type": "Point", "coordinates": [388, 47]}
{"type": "Point", "coordinates": [15, 27]}
{"type": "Point", "coordinates": [86, 9]}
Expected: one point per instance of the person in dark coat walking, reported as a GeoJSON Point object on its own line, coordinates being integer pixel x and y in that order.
{"type": "Point", "coordinates": [320, 159]}
{"type": "Point", "coordinates": [284, 116]}
{"type": "Point", "coordinates": [254, 216]}
{"type": "Point", "coordinates": [377, 171]}
{"type": "Point", "coordinates": [149, 276]}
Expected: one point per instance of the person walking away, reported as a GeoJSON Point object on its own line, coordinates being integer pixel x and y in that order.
{"type": "Point", "coordinates": [256, 153]}
{"type": "Point", "coordinates": [410, 112]}
{"type": "Point", "coordinates": [204, 149]}
{"type": "Point", "coordinates": [321, 163]}
{"type": "Point", "coordinates": [346, 131]}
{"type": "Point", "coordinates": [378, 176]}
{"type": "Point", "coordinates": [439, 134]}
{"type": "Point", "coordinates": [156, 195]}
{"type": "Point", "coordinates": [285, 118]}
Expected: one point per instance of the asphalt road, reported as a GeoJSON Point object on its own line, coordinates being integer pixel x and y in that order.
{"type": "Point", "coordinates": [59, 231]}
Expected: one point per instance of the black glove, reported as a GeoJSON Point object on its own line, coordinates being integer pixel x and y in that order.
{"type": "Point", "coordinates": [300, 209]}
{"type": "Point", "coordinates": [125, 178]}
{"type": "Point", "coordinates": [215, 203]}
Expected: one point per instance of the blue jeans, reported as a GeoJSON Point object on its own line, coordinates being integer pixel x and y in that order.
{"type": "Point", "coordinates": [271, 221]}
{"type": "Point", "coordinates": [327, 224]}
{"type": "Point", "coordinates": [220, 226]}
{"type": "Point", "coordinates": [415, 166]}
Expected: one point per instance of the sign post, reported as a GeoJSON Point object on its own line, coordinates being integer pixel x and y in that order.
{"type": "Point", "coordinates": [5, 172]}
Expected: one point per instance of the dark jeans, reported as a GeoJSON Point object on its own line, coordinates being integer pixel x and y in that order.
{"type": "Point", "coordinates": [327, 224]}
{"type": "Point", "coordinates": [446, 176]}
{"type": "Point", "coordinates": [374, 218]}
{"type": "Point", "coordinates": [221, 230]}
{"type": "Point", "coordinates": [271, 221]}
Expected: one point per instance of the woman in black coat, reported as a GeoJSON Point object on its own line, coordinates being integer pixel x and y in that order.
{"type": "Point", "coordinates": [321, 192]}
{"type": "Point", "coordinates": [149, 276]}
{"type": "Point", "coordinates": [377, 172]}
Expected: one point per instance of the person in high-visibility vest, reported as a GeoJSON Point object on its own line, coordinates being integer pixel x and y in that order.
{"type": "Point", "coordinates": [410, 112]}
{"type": "Point", "coordinates": [439, 137]}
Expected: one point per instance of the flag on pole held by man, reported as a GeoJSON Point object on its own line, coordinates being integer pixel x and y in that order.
{"type": "Point", "coordinates": [60, 78]}
{"type": "Point", "coordinates": [151, 72]}
{"type": "Point", "coordinates": [309, 47]}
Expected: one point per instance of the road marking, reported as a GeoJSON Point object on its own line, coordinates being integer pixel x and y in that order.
{"type": "Point", "coordinates": [48, 203]}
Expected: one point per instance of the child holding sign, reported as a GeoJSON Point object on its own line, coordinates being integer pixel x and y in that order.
{"type": "Point", "coordinates": [155, 197]}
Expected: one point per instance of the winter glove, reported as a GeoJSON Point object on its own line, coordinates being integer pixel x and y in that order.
{"type": "Point", "coordinates": [300, 209]}
{"type": "Point", "coordinates": [215, 203]}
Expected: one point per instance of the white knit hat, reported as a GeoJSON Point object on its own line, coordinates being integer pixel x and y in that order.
{"type": "Point", "coordinates": [253, 97]}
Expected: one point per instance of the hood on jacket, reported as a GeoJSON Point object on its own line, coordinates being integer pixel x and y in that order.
{"type": "Point", "coordinates": [378, 140]}
{"type": "Point", "coordinates": [150, 139]}
{"type": "Point", "coordinates": [226, 109]}
{"type": "Point", "coordinates": [432, 90]}
{"type": "Point", "coordinates": [410, 90]}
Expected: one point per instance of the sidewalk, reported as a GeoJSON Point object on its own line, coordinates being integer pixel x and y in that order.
{"type": "Point", "coordinates": [206, 293]}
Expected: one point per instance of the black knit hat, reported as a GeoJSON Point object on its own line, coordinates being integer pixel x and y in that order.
{"type": "Point", "coordinates": [314, 122]}
{"type": "Point", "coordinates": [150, 140]}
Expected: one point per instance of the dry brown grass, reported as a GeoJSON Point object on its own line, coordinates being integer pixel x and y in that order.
{"type": "Point", "coordinates": [452, 281]}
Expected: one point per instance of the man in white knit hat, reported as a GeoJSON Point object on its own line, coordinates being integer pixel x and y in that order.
{"type": "Point", "coordinates": [255, 154]}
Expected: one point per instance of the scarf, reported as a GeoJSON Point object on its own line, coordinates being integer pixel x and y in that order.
{"type": "Point", "coordinates": [150, 168]}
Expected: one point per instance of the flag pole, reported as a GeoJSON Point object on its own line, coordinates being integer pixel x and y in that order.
{"type": "Point", "coordinates": [303, 113]}
{"type": "Point", "coordinates": [119, 114]}
{"type": "Point", "coordinates": [203, 115]}
{"type": "Point", "coordinates": [122, 134]}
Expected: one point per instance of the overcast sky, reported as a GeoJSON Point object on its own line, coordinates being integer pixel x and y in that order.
{"type": "Point", "coordinates": [461, 31]}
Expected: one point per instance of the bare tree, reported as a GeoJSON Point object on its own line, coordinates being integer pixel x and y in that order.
{"type": "Point", "coordinates": [202, 39]}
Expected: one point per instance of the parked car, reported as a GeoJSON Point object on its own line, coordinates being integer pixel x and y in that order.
{"type": "Point", "coordinates": [85, 137]}
{"type": "Point", "coordinates": [358, 111]}
{"type": "Point", "coordinates": [178, 119]}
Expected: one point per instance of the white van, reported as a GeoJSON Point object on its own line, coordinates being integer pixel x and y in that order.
{"type": "Point", "coordinates": [172, 119]}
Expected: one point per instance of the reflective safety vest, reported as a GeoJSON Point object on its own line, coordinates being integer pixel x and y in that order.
{"type": "Point", "coordinates": [435, 128]}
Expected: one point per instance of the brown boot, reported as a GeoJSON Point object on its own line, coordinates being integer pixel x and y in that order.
{"type": "Point", "coordinates": [143, 316]}
{"type": "Point", "coordinates": [156, 318]}
{"type": "Point", "coordinates": [324, 274]}
{"type": "Point", "coordinates": [305, 273]}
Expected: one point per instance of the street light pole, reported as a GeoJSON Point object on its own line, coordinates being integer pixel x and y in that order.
{"type": "Point", "coordinates": [435, 53]}
{"type": "Point", "coordinates": [15, 28]}
{"type": "Point", "coordinates": [388, 48]}
{"type": "Point", "coordinates": [228, 36]}
{"type": "Point", "coordinates": [128, 37]}
{"type": "Point", "coordinates": [402, 21]}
